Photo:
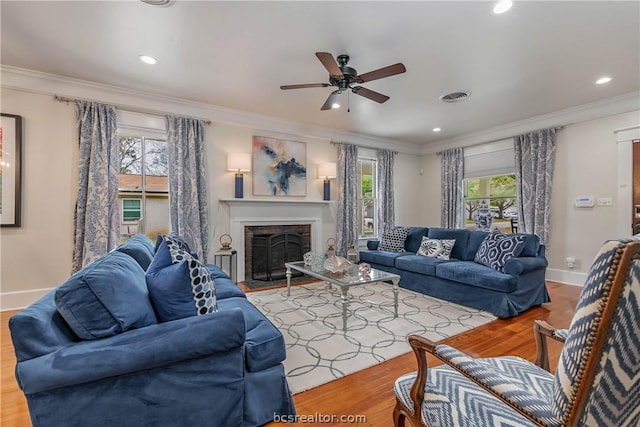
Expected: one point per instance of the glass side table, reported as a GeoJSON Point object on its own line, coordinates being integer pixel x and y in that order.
{"type": "Point", "coordinates": [227, 260]}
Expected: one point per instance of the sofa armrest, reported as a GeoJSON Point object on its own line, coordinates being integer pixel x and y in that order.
{"type": "Point", "coordinates": [519, 265]}
{"type": "Point", "coordinates": [135, 350]}
{"type": "Point", "coordinates": [372, 245]}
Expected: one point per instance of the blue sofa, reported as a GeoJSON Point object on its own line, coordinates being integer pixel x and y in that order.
{"type": "Point", "coordinates": [92, 353]}
{"type": "Point", "coordinates": [462, 280]}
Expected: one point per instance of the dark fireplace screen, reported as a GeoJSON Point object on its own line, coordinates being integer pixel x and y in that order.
{"type": "Point", "coordinates": [271, 251]}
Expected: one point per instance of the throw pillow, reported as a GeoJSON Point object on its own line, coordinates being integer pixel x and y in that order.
{"type": "Point", "coordinates": [177, 239]}
{"type": "Point", "coordinates": [107, 297]}
{"type": "Point", "coordinates": [179, 284]}
{"type": "Point", "coordinates": [140, 248]}
{"type": "Point", "coordinates": [497, 248]}
{"type": "Point", "coordinates": [435, 248]}
{"type": "Point", "coordinates": [393, 239]}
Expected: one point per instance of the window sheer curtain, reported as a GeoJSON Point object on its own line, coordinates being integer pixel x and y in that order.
{"type": "Point", "coordinates": [188, 206]}
{"type": "Point", "coordinates": [535, 155]}
{"type": "Point", "coordinates": [386, 209]}
{"type": "Point", "coordinates": [452, 195]}
{"type": "Point", "coordinates": [347, 215]}
{"type": "Point", "coordinates": [97, 213]}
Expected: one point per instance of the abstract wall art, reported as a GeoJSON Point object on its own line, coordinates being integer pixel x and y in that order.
{"type": "Point", "coordinates": [10, 170]}
{"type": "Point", "coordinates": [279, 167]}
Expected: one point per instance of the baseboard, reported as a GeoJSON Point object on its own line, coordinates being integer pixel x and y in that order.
{"type": "Point", "coordinates": [566, 277]}
{"type": "Point", "coordinates": [20, 299]}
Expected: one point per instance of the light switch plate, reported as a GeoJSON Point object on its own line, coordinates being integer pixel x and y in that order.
{"type": "Point", "coordinates": [605, 201]}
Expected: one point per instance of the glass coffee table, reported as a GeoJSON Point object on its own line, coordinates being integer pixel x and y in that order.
{"type": "Point", "coordinates": [344, 282]}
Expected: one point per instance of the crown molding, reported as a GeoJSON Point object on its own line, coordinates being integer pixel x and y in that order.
{"type": "Point", "coordinates": [582, 113]}
{"type": "Point", "coordinates": [51, 84]}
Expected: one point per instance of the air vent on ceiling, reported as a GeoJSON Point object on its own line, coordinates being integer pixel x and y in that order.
{"type": "Point", "coordinates": [455, 96]}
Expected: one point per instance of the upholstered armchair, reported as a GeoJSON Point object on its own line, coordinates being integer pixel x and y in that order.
{"type": "Point", "coordinates": [596, 383]}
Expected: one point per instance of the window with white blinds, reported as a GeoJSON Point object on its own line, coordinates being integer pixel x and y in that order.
{"type": "Point", "coordinates": [490, 159]}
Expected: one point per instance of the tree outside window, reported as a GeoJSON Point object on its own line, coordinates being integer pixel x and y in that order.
{"type": "Point", "coordinates": [367, 203]}
{"type": "Point", "coordinates": [500, 193]}
{"type": "Point", "coordinates": [144, 186]}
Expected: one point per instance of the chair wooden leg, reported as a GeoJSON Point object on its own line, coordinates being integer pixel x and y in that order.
{"type": "Point", "coordinates": [399, 415]}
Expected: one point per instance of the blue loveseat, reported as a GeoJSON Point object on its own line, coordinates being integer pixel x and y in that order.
{"type": "Point", "coordinates": [460, 279]}
{"type": "Point", "coordinates": [92, 353]}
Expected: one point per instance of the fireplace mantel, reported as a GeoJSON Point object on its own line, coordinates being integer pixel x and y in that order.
{"type": "Point", "coordinates": [274, 211]}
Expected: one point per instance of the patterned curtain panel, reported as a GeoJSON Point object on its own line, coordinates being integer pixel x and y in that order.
{"type": "Point", "coordinates": [189, 210]}
{"type": "Point", "coordinates": [452, 197]}
{"type": "Point", "coordinates": [535, 155]}
{"type": "Point", "coordinates": [97, 215]}
{"type": "Point", "coordinates": [347, 218]}
{"type": "Point", "coordinates": [386, 210]}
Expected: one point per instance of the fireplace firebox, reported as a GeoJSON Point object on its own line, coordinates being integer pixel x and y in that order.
{"type": "Point", "coordinates": [267, 248]}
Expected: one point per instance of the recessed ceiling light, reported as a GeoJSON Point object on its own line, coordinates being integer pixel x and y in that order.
{"type": "Point", "coordinates": [603, 80]}
{"type": "Point", "coordinates": [437, 129]}
{"type": "Point", "coordinates": [335, 105]}
{"type": "Point", "coordinates": [148, 59]}
{"type": "Point", "coordinates": [502, 6]}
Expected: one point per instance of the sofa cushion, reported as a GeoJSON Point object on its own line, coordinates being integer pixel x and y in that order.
{"type": "Point", "coordinates": [497, 248]}
{"type": "Point", "coordinates": [264, 345]}
{"type": "Point", "coordinates": [179, 284]}
{"type": "Point", "coordinates": [414, 238]}
{"type": "Point", "coordinates": [140, 248]}
{"type": "Point", "coordinates": [381, 257]}
{"type": "Point", "coordinates": [435, 248]}
{"type": "Point", "coordinates": [107, 297]}
{"type": "Point", "coordinates": [460, 235]}
{"type": "Point", "coordinates": [475, 240]}
{"type": "Point", "coordinates": [531, 245]}
{"type": "Point", "coordinates": [474, 274]}
{"type": "Point", "coordinates": [393, 239]}
{"type": "Point", "coordinates": [419, 264]}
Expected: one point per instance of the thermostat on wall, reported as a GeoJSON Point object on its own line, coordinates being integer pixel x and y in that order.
{"type": "Point", "coordinates": [584, 202]}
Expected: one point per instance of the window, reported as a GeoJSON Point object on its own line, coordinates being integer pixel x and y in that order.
{"type": "Point", "coordinates": [131, 210]}
{"type": "Point", "coordinates": [367, 204]}
{"type": "Point", "coordinates": [144, 186]}
{"type": "Point", "coordinates": [499, 191]}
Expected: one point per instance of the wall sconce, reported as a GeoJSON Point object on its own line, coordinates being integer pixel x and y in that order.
{"type": "Point", "coordinates": [327, 171]}
{"type": "Point", "coordinates": [238, 163]}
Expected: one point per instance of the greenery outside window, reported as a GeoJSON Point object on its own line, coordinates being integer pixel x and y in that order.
{"type": "Point", "coordinates": [367, 202]}
{"type": "Point", "coordinates": [499, 191]}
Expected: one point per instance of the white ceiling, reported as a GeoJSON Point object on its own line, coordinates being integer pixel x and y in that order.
{"type": "Point", "coordinates": [536, 59]}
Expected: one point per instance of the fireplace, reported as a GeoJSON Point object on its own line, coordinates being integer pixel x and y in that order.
{"type": "Point", "coordinates": [268, 247]}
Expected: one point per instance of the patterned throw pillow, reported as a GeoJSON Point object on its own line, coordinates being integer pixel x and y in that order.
{"type": "Point", "coordinates": [393, 239]}
{"type": "Point", "coordinates": [435, 248]}
{"type": "Point", "coordinates": [497, 248]}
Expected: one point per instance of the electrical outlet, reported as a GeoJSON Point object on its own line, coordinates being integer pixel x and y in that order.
{"type": "Point", "coordinates": [571, 262]}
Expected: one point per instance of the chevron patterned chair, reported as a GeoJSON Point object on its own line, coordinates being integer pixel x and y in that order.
{"type": "Point", "coordinates": [597, 382]}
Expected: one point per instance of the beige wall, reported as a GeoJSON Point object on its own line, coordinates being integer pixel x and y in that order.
{"type": "Point", "coordinates": [38, 254]}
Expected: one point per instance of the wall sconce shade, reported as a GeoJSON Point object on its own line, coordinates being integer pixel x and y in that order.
{"type": "Point", "coordinates": [238, 163]}
{"type": "Point", "coordinates": [327, 171]}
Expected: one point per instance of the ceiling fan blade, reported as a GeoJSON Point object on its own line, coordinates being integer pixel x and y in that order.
{"type": "Point", "coordinates": [391, 70]}
{"type": "Point", "coordinates": [328, 104]}
{"type": "Point", "coordinates": [305, 86]}
{"type": "Point", "coordinates": [371, 94]}
{"type": "Point", "coordinates": [329, 63]}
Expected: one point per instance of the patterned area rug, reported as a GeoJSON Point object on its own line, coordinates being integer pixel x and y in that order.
{"type": "Point", "coordinates": [317, 349]}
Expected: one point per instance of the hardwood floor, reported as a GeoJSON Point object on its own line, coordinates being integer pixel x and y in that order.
{"type": "Point", "coordinates": [367, 393]}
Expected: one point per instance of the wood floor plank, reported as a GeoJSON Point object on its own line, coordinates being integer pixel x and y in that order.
{"type": "Point", "coordinates": [367, 393]}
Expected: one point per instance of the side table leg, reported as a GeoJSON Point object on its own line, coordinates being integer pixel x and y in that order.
{"type": "Point", "coordinates": [345, 303]}
{"type": "Point", "coordinates": [395, 297]}
{"type": "Point", "coordinates": [288, 282]}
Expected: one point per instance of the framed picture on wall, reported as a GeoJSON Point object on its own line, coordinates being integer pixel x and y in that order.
{"type": "Point", "coordinates": [279, 167]}
{"type": "Point", "coordinates": [10, 170]}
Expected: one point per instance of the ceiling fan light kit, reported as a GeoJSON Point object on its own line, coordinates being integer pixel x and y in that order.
{"type": "Point", "coordinates": [346, 78]}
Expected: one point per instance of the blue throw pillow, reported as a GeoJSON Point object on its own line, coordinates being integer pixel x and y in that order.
{"type": "Point", "coordinates": [179, 284]}
{"type": "Point", "coordinates": [140, 248]}
{"type": "Point", "coordinates": [107, 297]}
{"type": "Point", "coordinates": [497, 248]}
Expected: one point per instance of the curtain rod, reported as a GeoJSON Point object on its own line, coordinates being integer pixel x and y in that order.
{"type": "Point", "coordinates": [555, 128]}
{"type": "Point", "coordinates": [125, 108]}
{"type": "Point", "coordinates": [361, 146]}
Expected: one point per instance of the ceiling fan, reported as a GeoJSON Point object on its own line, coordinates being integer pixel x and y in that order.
{"type": "Point", "coordinates": [345, 78]}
